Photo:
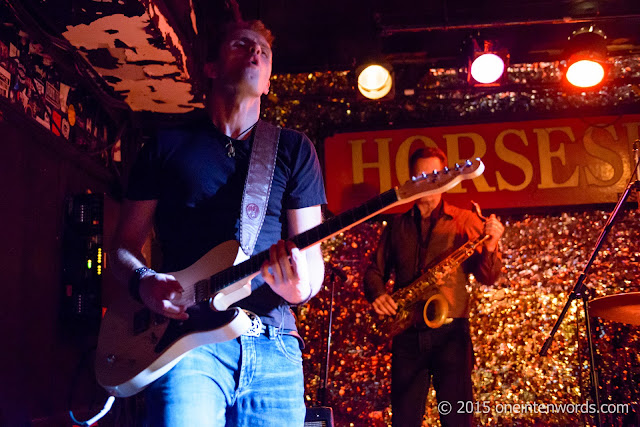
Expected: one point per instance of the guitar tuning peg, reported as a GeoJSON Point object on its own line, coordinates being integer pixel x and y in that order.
{"type": "Point", "coordinates": [424, 175]}
{"type": "Point", "coordinates": [457, 166]}
{"type": "Point", "coordinates": [435, 172]}
{"type": "Point", "coordinates": [446, 169]}
{"type": "Point", "coordinates": [468, 163]}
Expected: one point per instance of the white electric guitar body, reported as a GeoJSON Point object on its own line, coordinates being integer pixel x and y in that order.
{"type": "Point", "coordinates": [137, 346]}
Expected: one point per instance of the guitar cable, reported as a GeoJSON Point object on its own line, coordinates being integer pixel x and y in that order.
{"type": "Point", "coordinates": [105, 409]}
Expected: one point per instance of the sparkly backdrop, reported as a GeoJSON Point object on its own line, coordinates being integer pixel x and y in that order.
{"type": "Point", "coordinates": [543, 256]}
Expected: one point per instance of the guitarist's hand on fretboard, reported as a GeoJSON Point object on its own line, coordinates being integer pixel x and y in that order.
{"type": "Point", "coordinates": [162, 293]}
{"type": "Point", "coordinates": [287, 273]}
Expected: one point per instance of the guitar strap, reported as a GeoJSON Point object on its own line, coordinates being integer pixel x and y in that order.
{"type": "Point", "coordinates": [257, 187]}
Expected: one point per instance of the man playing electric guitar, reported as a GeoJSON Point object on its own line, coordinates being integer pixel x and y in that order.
{"type": "Point", "coordinates": [188, 185]}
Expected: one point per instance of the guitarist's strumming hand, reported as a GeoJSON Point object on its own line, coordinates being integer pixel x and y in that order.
{"type": "Point", "coordinates": [385, 305]}
{"type": "Point", "coordinates": [287, 272]}
{"type": "Point", "coordinates": [162, 293]}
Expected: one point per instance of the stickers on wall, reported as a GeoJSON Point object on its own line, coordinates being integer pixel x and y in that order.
{"type": "Point", "coordinates": [4, 51]}
{"type": "Point", "coordinates": [52, 95]}
{"type": "Point", "coordinates": [39, 86]}
{"type": "Point", "coordinates": [29, 78]}
{"type": "Point", "coordinates": [43, 116]}
{"type": "Point", "coordinates": [65, 128]}
{"type": "Point", "coordinates": [5, 82]}
{"type": "Point", "coordinates": [71, 113]}
{"type": "Point", "coordinates": [64, 96]}
{"type": "Point", "coordinates": [56, 123]}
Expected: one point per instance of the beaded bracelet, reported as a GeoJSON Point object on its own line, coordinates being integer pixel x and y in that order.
{"type": "Point", "coordinates": [134, 282]}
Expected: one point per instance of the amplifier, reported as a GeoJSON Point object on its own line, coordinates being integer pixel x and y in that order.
{"type": "Point", "coordinates": [321, 416]}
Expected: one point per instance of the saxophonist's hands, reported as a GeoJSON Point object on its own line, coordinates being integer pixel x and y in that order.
{"type": "Point", "coordinates": [494, 229]}
{"type": "Point", "coordinates": [385, 305]}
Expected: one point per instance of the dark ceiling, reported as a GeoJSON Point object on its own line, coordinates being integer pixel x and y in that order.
{"type": "Point", "coordinates": [321, 35]}
{"type": "Point", "coordinates": [147, 50]}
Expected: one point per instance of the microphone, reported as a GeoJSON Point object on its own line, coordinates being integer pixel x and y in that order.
{"type": "Point", "coordinates": [338, 272]}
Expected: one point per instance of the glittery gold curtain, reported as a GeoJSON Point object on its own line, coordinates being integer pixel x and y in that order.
{"type": "Point", "coordinates": [543, 256]}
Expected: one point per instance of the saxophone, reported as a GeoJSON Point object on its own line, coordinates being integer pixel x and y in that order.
{"type": "Point", "coordinates": [421, 302]}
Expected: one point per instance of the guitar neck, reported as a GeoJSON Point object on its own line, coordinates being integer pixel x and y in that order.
{"type": "Point", "coordinates": [321, 232]}
{"type": "Point", "coordinates": [419, 186]}
{"type": "Point", "coordinates": [346, 220]}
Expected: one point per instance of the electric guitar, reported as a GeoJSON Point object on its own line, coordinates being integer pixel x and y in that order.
{"type": "Point", "coordinates": [137, 346]}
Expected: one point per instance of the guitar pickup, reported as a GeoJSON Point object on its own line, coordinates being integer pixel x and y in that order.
{"type": "Point", "coordinates": [141, 321]}
{"type": "Point", "coordinates": [202, 290]}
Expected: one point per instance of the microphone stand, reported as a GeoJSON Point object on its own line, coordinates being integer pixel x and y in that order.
{"type": "Point", "coordinates": [580, 291]}
{"type": "Point", "coordinates": [322, 414]}
{"type": "Point", "coordinates": [322, 390]}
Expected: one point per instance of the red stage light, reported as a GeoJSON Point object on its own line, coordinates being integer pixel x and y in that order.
{"type": "Point", "coordinates": [585, 73]}
{"type": "Point", "coordinates": [587, 57]}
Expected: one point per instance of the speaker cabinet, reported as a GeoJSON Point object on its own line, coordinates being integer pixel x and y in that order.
{"type": "Point", "coordinates": [321, 416]}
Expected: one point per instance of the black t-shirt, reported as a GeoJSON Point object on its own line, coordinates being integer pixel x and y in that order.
{"type": "Point", "coordinates": [199, 191]}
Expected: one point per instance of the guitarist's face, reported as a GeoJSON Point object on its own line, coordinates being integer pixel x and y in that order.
{"type": "Point", "coordinates": [428, 165]}
{"type": "Point", "coordinates": [244, 63]}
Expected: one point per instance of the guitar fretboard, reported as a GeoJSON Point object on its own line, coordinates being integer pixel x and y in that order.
{"type": "Point", "coordinates": [438, 181]}
{"type": "Point", "coordinates": [306, 239]}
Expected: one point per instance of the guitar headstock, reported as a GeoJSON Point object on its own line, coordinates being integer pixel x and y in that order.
{"type": "Point", "coordinates": [439, 181]}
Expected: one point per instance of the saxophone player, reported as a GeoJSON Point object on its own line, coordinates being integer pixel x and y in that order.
{"type": "Point", "coordinates": [407, 245]}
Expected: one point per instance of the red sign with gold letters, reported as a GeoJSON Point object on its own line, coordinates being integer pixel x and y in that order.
{"type": "Point", "coordinates": [537, 163]}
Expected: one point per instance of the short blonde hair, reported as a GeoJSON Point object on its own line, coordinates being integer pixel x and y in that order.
{"type": "Point", "coordinates": [229, 28]}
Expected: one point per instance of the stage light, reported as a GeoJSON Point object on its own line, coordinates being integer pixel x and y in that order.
{"type": "Point", "coordinates": [375, 81]}
{"type": "Point", "coordinates": [487, 68]}
{"type": "Point", "coordinates": [487, 64]}
{"type": "Point", "coordinates": [587, 57]}
{"type": "Point", "coordinates": [585, 73]}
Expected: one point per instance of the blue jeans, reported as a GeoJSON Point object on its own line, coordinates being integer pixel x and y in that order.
{"type": "Point", "coordinates": [248, 381]}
